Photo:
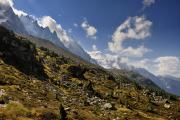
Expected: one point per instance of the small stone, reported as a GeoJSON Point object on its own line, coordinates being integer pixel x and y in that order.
{"type": "Point", "coordinates": [107, 106]}
{"type": "Point", "coordinates": [167, 106]}
{"type": "Point", "coordinates": [67, 109]}
{"type": "Point", "coordinates": [2, 92]}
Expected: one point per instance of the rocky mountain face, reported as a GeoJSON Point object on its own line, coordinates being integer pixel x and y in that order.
{"type": "Point", "coordinates": [27, 25]}
{"type": "Point", "coordinates": [37, 83]}
{"type": "Point", "coordinates": [33, 28]}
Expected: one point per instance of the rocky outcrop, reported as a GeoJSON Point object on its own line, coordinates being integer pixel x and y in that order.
{"type": "Point", "coordinates": [20, 53]}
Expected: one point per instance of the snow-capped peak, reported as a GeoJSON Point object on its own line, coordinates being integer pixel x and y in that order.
{"type": "Point", "coordinates": [29, 25]}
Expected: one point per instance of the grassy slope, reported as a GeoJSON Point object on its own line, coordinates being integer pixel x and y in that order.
{"type": "Point", "coordinates": [35, 87]}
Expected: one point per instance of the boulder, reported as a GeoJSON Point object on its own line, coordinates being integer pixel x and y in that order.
{"type": "Point", "coordinates": [107, 106]}
{"type": "Point", "coordinates": [2, 92]}
{"type": "Point", "coordinates": [167, 106]}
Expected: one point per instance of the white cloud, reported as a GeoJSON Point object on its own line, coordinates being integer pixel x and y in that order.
{"type": "Point", "coordinates": [19, 12]}
{"type": "Point", "coordinates": [135, 28]}
{"type": "Point", "coordinates": [7, 2]}
{"type": "Point", "coordinates": [147, 3]}
{"type": "Point", "coordinates": [115, 61]}
{"type": "Point", "coordinates": [134, 52]}
{"type": "Point", "coordinates": [89, 29]}
{"type": "Point", "coordinates": [49, 22]}
{"type": "Point", "coordinates": [109, 60]}
{"type": "Point", "coordinates": [75, 25]}
{"type": "Point", "coordinates": [168, 65]}
{"type": "Point", "coordinates": [10, 3]}
{"type": "Point", "coordinates": [94, 47]}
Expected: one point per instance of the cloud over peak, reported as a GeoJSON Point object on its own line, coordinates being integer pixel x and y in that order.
{"type": "Point", "coordinates": [47, 21]}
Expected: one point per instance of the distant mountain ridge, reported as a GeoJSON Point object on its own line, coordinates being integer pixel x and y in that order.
{"type": "Point", "coordinates": [168, 83]}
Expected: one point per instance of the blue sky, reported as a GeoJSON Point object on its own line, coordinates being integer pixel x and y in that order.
{"type": "Point", "coordinates": [105, 16]}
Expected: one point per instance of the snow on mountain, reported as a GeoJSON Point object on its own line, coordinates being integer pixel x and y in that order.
{"type": "Point", "coordinates": [9, 20]}
{"type": "Point", "coordinates": [64, 37]}
{"type": "Point", "coordinates": [27, 25]}
{"type": "Point", "coordinates": [33, 28]}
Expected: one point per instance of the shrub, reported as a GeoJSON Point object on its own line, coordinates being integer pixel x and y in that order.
{"type": "Point", "coordinates": [137, 86]}
{"type": "Point", "coordinates": [150, 108]}
{"type": "Point", "coordinates": [48, 116]}
{"type": "Point", "coordinates": [63, 114]}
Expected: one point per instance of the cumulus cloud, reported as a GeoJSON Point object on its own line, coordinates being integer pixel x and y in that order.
{"type": "Point", "coordinates": [168, 65]}
{"type": "Point", "coordinates": [109, 60]}
{"type": "Point", "coordinates": [47, 21]}
{"type": "Point", "coordinates": [10, 3]}
{"type": "Point", "coordinates": [135, 52]}
{"type": "Point", "coordinates": [89, 29]}
{"type": "Point", "coordinates": [7, 2]}
{"type": "Point", "coordinates": [147, 3]}
{"type": "Point", "coordinates": [135, 28]}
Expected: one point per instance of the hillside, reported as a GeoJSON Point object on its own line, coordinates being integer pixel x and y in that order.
{"type": "Point", "coordinates": [39, 84]}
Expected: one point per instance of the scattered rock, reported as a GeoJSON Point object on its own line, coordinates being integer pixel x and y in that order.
{"type": "Point", "coordinates": [167, 106]}
{"type": "Point", "coordinates": [2, 92]}
{"type": "Point", "coordinates": [67, 109]}
{"type": "Point", "coordinates": [107, 106]}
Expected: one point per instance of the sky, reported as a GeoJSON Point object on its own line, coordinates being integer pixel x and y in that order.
{"type": "Point", "coordinates": [141, 33]}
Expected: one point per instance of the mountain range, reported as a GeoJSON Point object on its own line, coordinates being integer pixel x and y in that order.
{"type": "Point", "coordinates": [27, 25]}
